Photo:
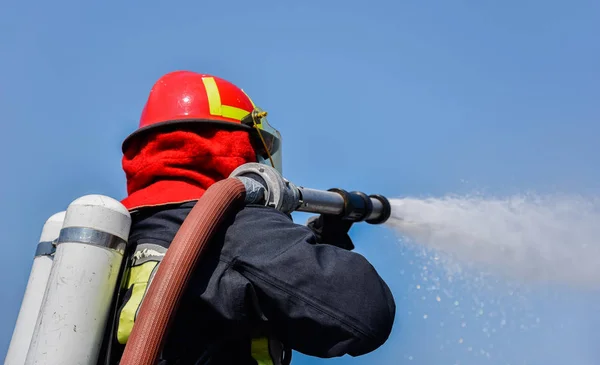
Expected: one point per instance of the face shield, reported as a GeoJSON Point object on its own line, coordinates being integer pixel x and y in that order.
{"type": "Point", "coordinates": [265, 139]}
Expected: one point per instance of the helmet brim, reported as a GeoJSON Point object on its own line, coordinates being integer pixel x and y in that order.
{"type": "Point", "coordinates": [172, 125]}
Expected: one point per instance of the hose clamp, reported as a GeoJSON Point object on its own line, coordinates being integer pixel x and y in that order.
{"type": "Point", "coordinates": [279, 193]}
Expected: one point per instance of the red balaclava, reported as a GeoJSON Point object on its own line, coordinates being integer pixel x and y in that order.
{"type": "Point", "coordinates": [177, 166]}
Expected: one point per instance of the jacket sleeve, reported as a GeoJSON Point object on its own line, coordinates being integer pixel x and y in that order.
{"type": "Point", "coordinates": [318, 299]}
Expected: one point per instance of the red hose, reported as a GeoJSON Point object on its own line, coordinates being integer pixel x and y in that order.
{"type": "Point", "coordinates": [162, 299]}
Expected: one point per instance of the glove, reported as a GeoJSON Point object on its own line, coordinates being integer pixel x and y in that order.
{"type": "Point", "coordinates": [139, 275]}
{"type": "Point", "coordinates": [331, 230]}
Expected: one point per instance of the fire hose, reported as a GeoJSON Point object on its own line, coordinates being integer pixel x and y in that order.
{"type": "Point", "coordinates": [249, 184]}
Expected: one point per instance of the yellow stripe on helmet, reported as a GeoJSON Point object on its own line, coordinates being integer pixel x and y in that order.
{"type": "Point", "coordinates": [214, 97]}
{"type": "Point", "coordinates": [233, 112]}
{"type": "Point", "coordinates": [214, 102]}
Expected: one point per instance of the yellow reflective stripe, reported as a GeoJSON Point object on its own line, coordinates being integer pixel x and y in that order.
{"type": "Point", "coordinates": [214, 102]}
{"type": "Point", "coordinates": [138, 281]}
{"type": "Point", "coordinates": [233, 112]}
{"type": "Point", "coordinates": [127, 317]}
{"type": "Point", "coordinates": [260, 351]}
{"type": "Point", "coordinates": [212, 92]}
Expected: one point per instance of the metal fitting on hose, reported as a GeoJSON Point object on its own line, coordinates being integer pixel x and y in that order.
{"type": "Point", "coordinates": [276, 191]}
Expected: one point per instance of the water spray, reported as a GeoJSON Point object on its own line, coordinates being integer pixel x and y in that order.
{"type": "Point", "coordinates": [530, 238]}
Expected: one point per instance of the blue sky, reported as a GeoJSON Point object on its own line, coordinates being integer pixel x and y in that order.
{"type": "Point", "coordinates": [399, 98]}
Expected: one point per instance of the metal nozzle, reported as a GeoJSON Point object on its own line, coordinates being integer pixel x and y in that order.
{"type": "Point", "coordinates": [265, 184]}
{"type": "Point", "coordinates": [354, 206]}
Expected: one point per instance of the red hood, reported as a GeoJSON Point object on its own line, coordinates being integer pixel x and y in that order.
{"type": "Point", "coordinates": [179, 166]}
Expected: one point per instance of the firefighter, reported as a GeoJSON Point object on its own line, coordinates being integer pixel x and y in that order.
{"type": "Point", "coordinates": [266, 286]}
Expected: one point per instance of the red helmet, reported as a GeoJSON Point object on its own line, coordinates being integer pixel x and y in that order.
{"type": "Point", "coordinates": [184, 97]}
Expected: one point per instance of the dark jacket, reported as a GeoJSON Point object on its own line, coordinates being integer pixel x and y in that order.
{"type": "Point", "coordinates": [265, 275]}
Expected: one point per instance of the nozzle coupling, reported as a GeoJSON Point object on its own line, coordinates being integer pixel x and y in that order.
{"type": "Point", "coordinates": [358, 207]}
{"type": "Point", "coordinates": [265, 185]}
